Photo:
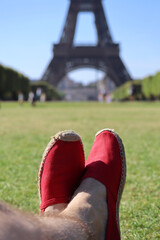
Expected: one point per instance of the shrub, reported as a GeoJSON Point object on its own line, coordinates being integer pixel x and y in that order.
{"type": "Point", "coordinates": [156, 86]}
{"type": "Point", "coordinates": [147, 87]}
{"type": "Point", "coordinates": [131, 89]}
{"type": "Point", "coordinates": [151, 87]}
{"type": "Point", "coordinates": [12, 82]}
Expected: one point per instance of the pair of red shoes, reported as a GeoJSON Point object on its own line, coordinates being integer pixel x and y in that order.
{"type": "Point", "coordinates": [63, 167]}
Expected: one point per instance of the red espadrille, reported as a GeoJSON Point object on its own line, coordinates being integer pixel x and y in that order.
{"type": "Point", "coordinates": [106, 163]}
{"type": "Point", "coordinates": [61, 169]}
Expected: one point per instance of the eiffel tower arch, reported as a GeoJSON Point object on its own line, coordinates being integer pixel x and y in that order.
{"type": "Point", "coordinates": [104, 56]}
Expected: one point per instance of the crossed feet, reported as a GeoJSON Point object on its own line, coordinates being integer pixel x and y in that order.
{"type": "Point", "coordinates": [85, 195]}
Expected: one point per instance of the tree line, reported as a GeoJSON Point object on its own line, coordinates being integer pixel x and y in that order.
{"type": "Point", "coordinates": [12, 83]}
{"type": "Point", "coordinates": [144, 89]}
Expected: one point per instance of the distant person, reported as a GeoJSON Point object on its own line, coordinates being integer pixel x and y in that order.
{"type": "Point", "coordinates": [109, 98]}
{"type": "Point", "coordinates": [78, 200]}
{"type": "Point", "coordinates": [20, 98]}
{"type": "Point", "coordinates": [102, 95]}
{"type": "Point", "coordinates": [43, 97]}
{"type": "Point", "coordinates": [31, 98]}
{"type": "Point", "coordinates": [131, 92]}
{"type": "Point", "coordinates": [38, 94]}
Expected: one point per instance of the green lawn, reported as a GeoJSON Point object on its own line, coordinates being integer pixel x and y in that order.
{"type": "Point", "coordinates": [25, 131]}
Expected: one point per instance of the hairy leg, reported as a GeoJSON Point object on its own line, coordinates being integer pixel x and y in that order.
{"type": "Point", "coordinates": [15, 225]}
{"type": "Point", "coordinates": [83, 219]}
{"type": "Point", "coordinates": [65, 228]}
{"type": "Point", "coordinates": [55, 209]}
{"type": "Point", "coordinates": [90, 207]}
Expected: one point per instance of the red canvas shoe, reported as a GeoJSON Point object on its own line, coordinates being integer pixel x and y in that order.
{"type": "Point", "coordinates": [61, 169]}
{"type": "Point", "coordinates": [106, 163]}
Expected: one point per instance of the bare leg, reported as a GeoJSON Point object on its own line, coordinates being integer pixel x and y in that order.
{"type": "Point", "coordinates": [65, 228]}
{"type": "Point", "coordinates": [90, 207]}
{"type": "Point", "coordinates": [15, 226]}
{"type": "Point", "coordinates": [84, 218]}
{"type": "Point", "coordinates": [55, 209]}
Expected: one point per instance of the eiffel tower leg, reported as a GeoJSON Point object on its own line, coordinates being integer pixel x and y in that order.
{"type": "Point", "coordinates": [117, 71]}
{"type": "Point", "coordinates": [69, 28]}
{"type": "Point", "coordinates": [104, 36]}
{"type": "Point", "coordinates": [55, 72]}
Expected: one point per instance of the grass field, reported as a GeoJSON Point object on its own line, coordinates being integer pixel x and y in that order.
{"type": "Point", "coordinates": [25, 131]}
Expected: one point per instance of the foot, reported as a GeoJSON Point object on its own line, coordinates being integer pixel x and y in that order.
{"type": "Point", "coordinates": [106, 163]}
{"type": "Point", "coordinates": [60, 170]}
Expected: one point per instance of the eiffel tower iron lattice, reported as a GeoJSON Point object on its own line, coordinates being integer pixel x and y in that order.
{"type": "Point", "coordinates": [104, 56]}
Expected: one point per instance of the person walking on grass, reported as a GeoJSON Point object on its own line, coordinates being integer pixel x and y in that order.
{"type": "Point", "coordinates": [32, 98]}
{"type": "Point", "coordinates": [78, 200]}
{"type": "Point", "coordinates": [20, 98]}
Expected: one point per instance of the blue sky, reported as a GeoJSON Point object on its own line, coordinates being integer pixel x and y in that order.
{"type": "Point", "coordinates": [29, 28]}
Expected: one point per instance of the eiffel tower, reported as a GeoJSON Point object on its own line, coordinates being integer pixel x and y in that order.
{"type": "Point", "coordinates": [104, 56]}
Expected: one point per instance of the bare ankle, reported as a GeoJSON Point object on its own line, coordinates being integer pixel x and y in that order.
{"type": "Point", "coordinates": [55, 209]}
